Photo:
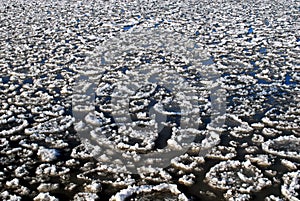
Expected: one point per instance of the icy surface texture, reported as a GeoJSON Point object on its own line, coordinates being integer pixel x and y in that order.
{"type": "Point", "coordinates": [253, 47]}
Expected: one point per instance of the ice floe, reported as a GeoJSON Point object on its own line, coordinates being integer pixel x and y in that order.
{"type": "Point", "coordinates": [251, 51]}
{"type": "Point", "coordinates": [290, 187]}
{"type": "Point", "coordinates": [285, 146]}
{"type": "Point", "coordinates": [239, 179]}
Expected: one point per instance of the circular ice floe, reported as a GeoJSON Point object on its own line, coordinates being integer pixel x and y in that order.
{"type": "Point", "coordinates": [85, 196]}
{"type": "Point", "coordinates": [145, 104]}
{"type": "Point", "coordinates": [261, 160]}
{"type": "Point", "coordinates": [285, 146]}
{"type": "Point", "coordinates": [13, 183]}
{"type": "Point", "coordinates": [274, 198]}
{"type": "Point", "coordinates": [21, 124]}
{"type": "Point", "coordinates": [222, 153]}
{"type": "Point", "coordinates": [4, 143]}
{"type": "Point", "coordinates": [94, 187]}
{"type": "Point", "coordinates": [82, 152]}
{"type": "Point", "coordinates": [187, 163]}
{"type": "Point", "coordinates": [240, 177]}
{"type": "Point", "coordinates": [21, 171]}
{"type": "Point", "coordinates": [41, 40]}
{"type": "Point", "coordinates": [231, 195]}
{"type": "Point", "coordinates": [150, 192]}
{"type": "Point", "coordinates": [47, 155]}
{"type": "Point", "coordinates": [44, 197]}
{"type": "Point", "coordinates": [187, 180]}
{"type": "Point", "coordinates": [154, 175]}
{"type": "Point", "coordinates": [5, 195]}
{"type": "Point", "coordinates": [289, 164]}
{"type": "Point", "coordinates": [47, 187]}
{"type": "Point", "coordinates": [291, 186]}
{"type": "Point", "coordinates": [52, 126]}
{"type": "Point", "coordinates": [45, 170]}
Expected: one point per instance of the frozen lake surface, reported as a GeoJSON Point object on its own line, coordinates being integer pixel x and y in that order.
{"type": "Point", "coordinates": [150, 100]}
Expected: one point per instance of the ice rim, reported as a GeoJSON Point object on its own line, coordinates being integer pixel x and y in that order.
{"type": "Point", "coordinates": [135, 39]}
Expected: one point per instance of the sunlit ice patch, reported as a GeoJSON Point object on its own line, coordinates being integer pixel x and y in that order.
{"type": "Point", "coordinates": [139, 99]}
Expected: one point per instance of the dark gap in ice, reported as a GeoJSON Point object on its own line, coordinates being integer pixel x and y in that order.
{"type": "Point", "coordinates": [114, 129]}
{"type": "Point", "coordinates": [57, 99]}
{"type": "Point", "coordinates": [208, 62]}
{"type": "Point", "coordinates": [187, 191]}
{"type": "Point", "coordinates": [199, 138]}
{"type": "Point", "coordinates": [287, 80]}
{"type": "Point", "coordinates": [163, 136]}
{"type": "Point", "coordinates": [107, 191]}
{"type": "Point", "coordinates": [206, 120]}
{"type": "Point", "coordinates": [172, 107]}
{"type": "Point", "coordinates": [53, 51]}
{"type": "Point", "coordinates": [297, 190]}
{"type": "Point", "coordinates": [225, 138]}
{"type": "Point", "coordinates": [59, 76]}
{"type": "Point", "coordinates": [8, 125]}
{"type": "Point", "coordinates": [29, 117]}
{"type": "Point", "coordinates": [224, 56]}
{"type": "Point", "coordinates": [28, 80]}
{"type": "Point", "coordinates": [44, 90]}
{"type": "Point", "coordinates": [124, 69]}
{"type": "Point", "coordinates": [43, 76]}
{"type": "Point", "coordinates": [61, 195]}
{"type": "Point", "coordinates": [255, 118]}
{"type": "Point", "coordinates": [230, 122]}
{"type": "Point", "coordinates": [57, 90]}
{"type": "Point", "coordinates": [249, 54]}
{"type": "Point", "coordinates": [267, 191]}
{"type": "Point", "coordinates": [145, 59]}
{"type": "Point", "coordinates": [68, 69]}
{"type": "Point", "coordinates": [285, 146]}
{"type": "Point", "coordinates": [249, 40]}
{"type": "Point", "coordinates": [266, 22]}
{"type": "Point", "coordinates": [263, 50]}
{"type": "Point", "coordinates": [287, 132]}
{"type": "Point", "coordinates": [200, 184]}
{"type": "Point", "coordinates": [255, 67]}
{"type": "Point", "coordinates": [225, 74]}
{"type": "Point", "coordinates": [134, 117]}
{"type": "Point", "coordinates": [241, 152]}
{"type": "Point", "coordinates": [43, 61]}
{"type": "Point", "coordinates": [279, 167]}
{"type": "Point", "coordinates": [127, 27]}
{"type": "Point", "coordinates": [5, 79]}
{"type": "Point", "coordinates": [132, 141]}
{"type": "Point", "coordinates": [262, 81]}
